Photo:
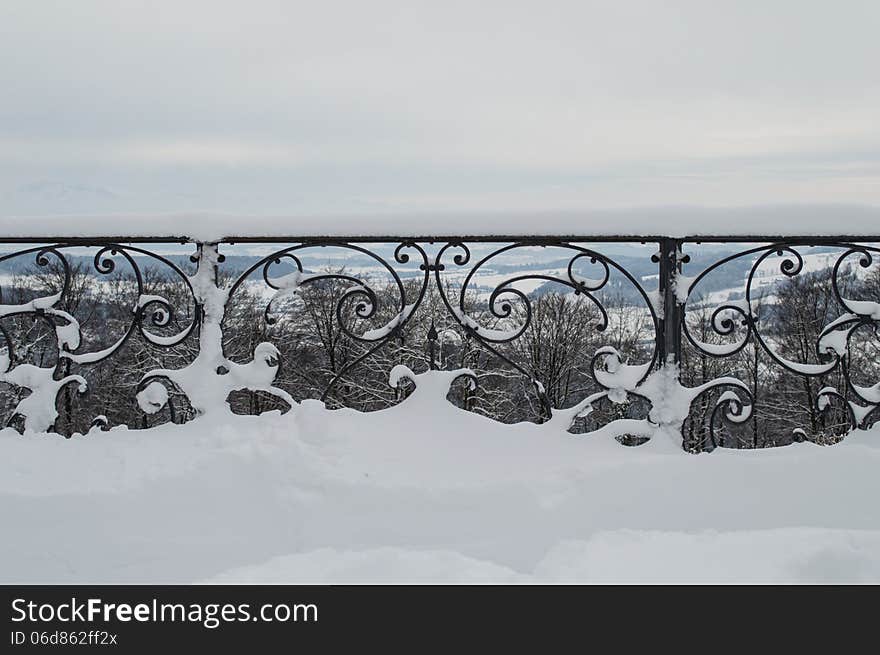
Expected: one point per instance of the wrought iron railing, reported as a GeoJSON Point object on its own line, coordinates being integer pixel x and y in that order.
{"type": "Point", "coordinates": [576, 329]}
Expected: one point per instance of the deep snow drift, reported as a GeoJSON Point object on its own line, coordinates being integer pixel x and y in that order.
{"type": "Point", "coordinates": [427, 492]}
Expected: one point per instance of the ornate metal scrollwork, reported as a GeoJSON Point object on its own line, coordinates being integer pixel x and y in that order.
{"type": "Point", "coordinates": [375, 305]}
{"type": "Point", "coordinates": [832, 348]}
{"type": "Point", "coordinates": [159, 310]}
{"type": "Point", "coordinates": [360, 294]}
{"type": "Point", "coordinates": [45, 383]}
{"type": "Point", "coordinates": [504, 294]}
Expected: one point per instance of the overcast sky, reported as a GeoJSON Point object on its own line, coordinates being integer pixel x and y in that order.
{"type": "Point", "coordinates": [259, 106]}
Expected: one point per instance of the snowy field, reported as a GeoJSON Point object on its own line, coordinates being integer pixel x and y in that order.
{"type": "Point", "coordinates": [427, 492]}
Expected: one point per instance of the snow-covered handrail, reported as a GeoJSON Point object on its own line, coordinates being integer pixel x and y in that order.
{"type": "Point", "coordinates": [181, 344]}
{"type": "Point", "coordinates": [846, 222]}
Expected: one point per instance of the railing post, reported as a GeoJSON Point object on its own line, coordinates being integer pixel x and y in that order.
{"type": "Point", "coordinates": [211, 305]}
{"type": "Point", "coordinates": [666, 412]}
{"type": "Point", "coordinates": [669, 339]}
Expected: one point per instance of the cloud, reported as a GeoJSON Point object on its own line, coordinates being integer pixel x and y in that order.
{"type": "Point", "coordinates": [388, 103]}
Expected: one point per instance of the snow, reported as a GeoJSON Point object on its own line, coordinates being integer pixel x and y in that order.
{"type": "Point", "coordinates": [34, 305]}
{"type": "Point", "coordinates": [834, 340]}
{"type": "Point", "coordinates": [38, 408]}
{"type": "Point", "coordinates": [657, 301]}
{"type": "Point", "coordinates": [787, 555]}
{"type": "Point", "coordinates": [287, 286]}
{"type": "Point", "coordinates": [209, 379]}
{"type": "Point", "coordinates": [152, 397]}
{"type": "Point", "coordinates": [871, 394]}
{"type": "Point", "coordinates": [380, 333]}
{"type": "Point", "coordinates": [588, 283]}
{"type": "Point", "coordinates": [489, 334]}
{"type": "Point", "coordinates": [682, 287]}
{"type": "Point", "coordinates": [376, 565]}
{"type": "Point", "coordinates": [424, 491]}
{"type": "Point", "coordinates": [804, 220]}
{"type": "Point", "coordinates": [616, 374]}
{"type": "Point", "coordinates": [145, 299]}
{"type": "Point", "coordinates": [867, 308]}
{"type": "Point", "coordinates": [804, 368]}
{"type": "Point", "coordinates": [769, 275]}
{"type": "Point", "coordinates": [67, 332]}
{"type": "Point", "coordinates": [94, 356]}
{"type": "Point", "coordinates": [493, 281]}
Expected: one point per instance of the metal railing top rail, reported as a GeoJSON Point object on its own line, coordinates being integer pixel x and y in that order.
{"type": "Point", "coordinates": [629, 224]}
{"type": "Point", "coordinates": [538, 240]}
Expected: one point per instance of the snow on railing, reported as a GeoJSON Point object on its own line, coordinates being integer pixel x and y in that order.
{"type": "Point", "coordinates": [670, 368]}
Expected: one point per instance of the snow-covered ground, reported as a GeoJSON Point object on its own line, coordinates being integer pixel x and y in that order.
{"type": "Point", "coordinates": [427, 492]}
{"type": "Point", "coordinates": [769, 276]}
